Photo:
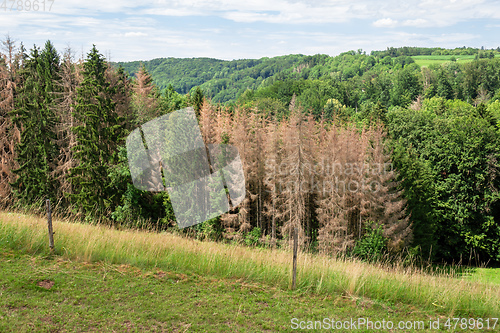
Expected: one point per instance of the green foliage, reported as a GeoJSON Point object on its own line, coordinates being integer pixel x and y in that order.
{"type": "Point", "coordinates": [374, 112]}
{"type": "Point", "coordinates": [99, 133]}
{"type": "Point", "coordinates": [136, 208]}
{"type": "Point", "coordinates": [457, 150]}
{"type": "Point", "coordinates": [493, 110]}
{"type": "Point", "coordinates": [197, 99]}
{"type": "Point", "coordinates": [334, 109]}
{"type": "Point", "coordinates": [420, 192]}
{"type": "Point", "coordinates": [209, 230]}
{"type": "Point", "coordinates": [420, 51]}
{"type": "Point", "coordinates": [220, 80]}
{"type": "Point", "coordinates": [34, 115]}
{"type": "Point", "coordinates": [252, 238]}
{"type": "Point", "coordinates": [172, 100]}
{"type": "Point", "coordinates": [372, 245]}
{"type": "Point", "coordinates": [444, 88]}
{"type": "Point", "coordinates": [169, 218]}
{"type": "Point", "coordinates": [406, 87]}
{"type": "Point", "coordinates": [271, 107]}
{"type": "Point", "coordinates": [381, 76]}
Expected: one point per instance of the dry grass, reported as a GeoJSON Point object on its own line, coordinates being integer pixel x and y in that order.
{"type": "Point", "coordinates": [316, 273]}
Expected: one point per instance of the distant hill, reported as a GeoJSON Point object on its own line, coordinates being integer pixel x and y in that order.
{"type": "Point", "coordinates": [220, 80]}
{"type": "Point", "coordinates": [224, 81]}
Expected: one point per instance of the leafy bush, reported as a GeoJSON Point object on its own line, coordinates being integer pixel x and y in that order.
{"type": "Point", "coordinates": [372, 246]}
{"type": "Point", "coordinates": [209, 230]}
{"type": "Point", "coordinates": [252, 237]}
{"type": "Point", "coordinates": [134, 207]}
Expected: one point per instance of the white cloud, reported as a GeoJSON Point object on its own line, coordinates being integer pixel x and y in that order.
{"type": "Point", "coordinates": [415, 13]}
{"type": "Point", "coordinates": [420, 23]}
{"type": "Point", "coordinates": [135, 34]}
{"type": "Point", "coordinates": [437, 13]}
{"type": "Point", "coordinates": [454, 38]}
{"type": "Point", "coordinates": [172, 12]}
{"type": "Point", "coordinates": [234, 29]}
{"type": "Point", "coordinates": [45, 33]}
{"type": "Point", "coordinates": [385, 23]}
{"type": "Point", "coordinates": [278, 11]}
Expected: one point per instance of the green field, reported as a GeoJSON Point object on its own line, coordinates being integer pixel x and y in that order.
{"type": "Point", "coordinates": [103, 279]}
{"type": "Point", "coordinates": [427, 60]}
{"type": "Point", "coordinates": [485, 275]}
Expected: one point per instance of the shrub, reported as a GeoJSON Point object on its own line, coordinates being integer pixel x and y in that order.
{"type": "Point", "coordinates": [373, 245]}
{"type": "Point", "coordinates": [252, 237]}
{"type": "Point", "coordinates": [209, 230]}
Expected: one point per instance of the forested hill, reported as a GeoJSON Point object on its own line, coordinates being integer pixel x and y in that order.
{"type": "Point", "coordinates": [224, 81]}
{"type": "Point", "coordinates": [221, 80]}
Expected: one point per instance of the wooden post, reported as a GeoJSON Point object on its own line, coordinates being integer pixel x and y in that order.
{"type": "Point", "coordinates": [295, 245]}
{"type": "Point", "coordinates": [49, 222]}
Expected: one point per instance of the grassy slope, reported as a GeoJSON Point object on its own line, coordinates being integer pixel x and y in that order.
{"type": "Point", "coordinates": [319, 278]}
{"type": "Point", "coordinates": [101, 297]}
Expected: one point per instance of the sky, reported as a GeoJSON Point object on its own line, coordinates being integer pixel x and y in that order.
{"type": "Point", "coordinates": [127, 30]}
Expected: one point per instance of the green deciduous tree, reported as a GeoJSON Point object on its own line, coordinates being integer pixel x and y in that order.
{"type": "Point", "coordinates": [444, 88]}
{"type": "Point", "coordinates": [406, 87]}
{"type": "Point", "coordinates": [451, 177]}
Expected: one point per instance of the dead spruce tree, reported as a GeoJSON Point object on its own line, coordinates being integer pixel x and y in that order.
{"type": "Point", "coordinates": [272, 178]}
{"type": "Point", "coordinates": [145, 97]}
{"type": "Point", "coordinates": [240, 137]}
{"type": "Point", "coordinates": [360, 189]}
{"type": "Point", "coordinates": [121, 86]}
{"type": "Point", "coordinates": [382, 200]}
{"type": "Point", "coordinates": [70, 78]}
{"type": "Point", "coordinates": [10, 63]}
{"type": "Point", "coordinates": [296, 168]}
{"type": "Point", "coordinates": [339, 205]}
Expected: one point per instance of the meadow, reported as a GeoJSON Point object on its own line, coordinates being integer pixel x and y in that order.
{"type": "Point", "coordinates": [428, 60]}
{"type": "Point", "coordinates": [98, 268]}
{"type": "Point", "coordinates": [53, 293]}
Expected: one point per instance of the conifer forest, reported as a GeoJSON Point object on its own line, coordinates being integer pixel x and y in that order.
{"type": "Point", "coordinates": [366, 154]}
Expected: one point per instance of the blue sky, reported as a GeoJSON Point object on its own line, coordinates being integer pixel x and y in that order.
{"type": "Point", "coordinates": [124, 30]}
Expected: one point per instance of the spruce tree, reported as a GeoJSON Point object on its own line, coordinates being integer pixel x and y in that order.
{"type": "Point", "coordinates": [34, 115]}
{"type": "Point", "coordinates": [197, 100]}
{"type": "Point", "coordinates": [99, 132]}
{"type": "Point", "coordinates": [8, 132]}
{"type": "Point", "coordinates": [69, 80]}
{"type": "Point", "coordinates": [298, 151]}
{"type": "Point", "coordinates": [122, 96]}
{"type": "Point", "coordinates": [145, 97]}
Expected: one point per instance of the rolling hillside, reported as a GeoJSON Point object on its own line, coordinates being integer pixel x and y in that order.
{"type": "Point", "coordinates": [224, 81]}
{"type": "Point", "coordinates": [219, 79]}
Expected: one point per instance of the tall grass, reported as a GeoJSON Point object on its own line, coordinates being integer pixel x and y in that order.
{"type": "Point", "coordinates": [315, 273]}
